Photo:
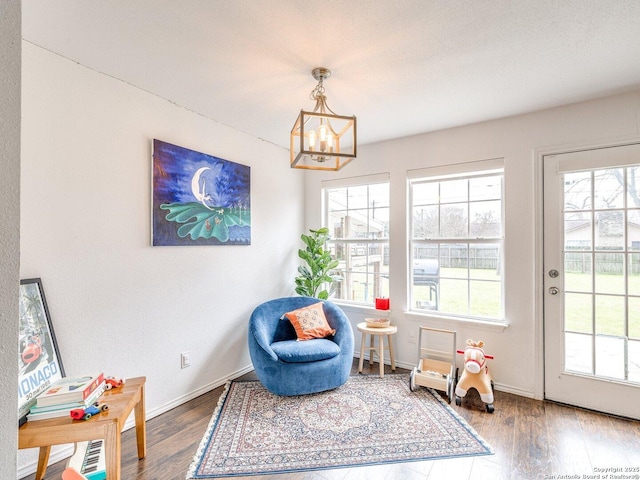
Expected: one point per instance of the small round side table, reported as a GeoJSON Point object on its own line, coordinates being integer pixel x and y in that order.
{"type": "Point", "coordinates": [379, 350]}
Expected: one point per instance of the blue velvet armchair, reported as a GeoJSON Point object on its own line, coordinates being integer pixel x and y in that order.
{"type": "Point", "coordinates": [286, 366]}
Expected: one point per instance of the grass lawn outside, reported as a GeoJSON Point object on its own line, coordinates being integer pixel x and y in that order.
{"type": "Point", "coordinates": [608, 304]}
{"type": "Point", "coordinates": [461, 291]}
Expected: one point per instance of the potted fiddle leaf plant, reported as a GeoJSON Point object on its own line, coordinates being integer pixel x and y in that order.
{"type": "Point", "coordinates": [316, 274]}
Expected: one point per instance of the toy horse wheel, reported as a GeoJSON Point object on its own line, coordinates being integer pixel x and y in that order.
{"type": "Point", "coordinates": [412, 380]}
{"type": "Point", "coordinates": [490, 407]}
{"type": "Point", "coordinates": [451, 386]}
{"type": "Point", "coordinates": [458, 400]}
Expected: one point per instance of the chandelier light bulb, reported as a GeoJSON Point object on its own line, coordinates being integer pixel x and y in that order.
{"type": "Point", "coordinates": [312, 139]}
{"type": "Point", "coordinates": [323, 137]}
{"type": "Point", "coordinates": [323, 133]}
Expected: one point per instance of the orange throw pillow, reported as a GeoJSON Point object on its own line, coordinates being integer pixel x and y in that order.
{"type": "Point", "coordinates": [310, 322]}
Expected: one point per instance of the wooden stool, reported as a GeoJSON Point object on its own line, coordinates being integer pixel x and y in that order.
{"type": "Point", "coordinates": [379, 350]}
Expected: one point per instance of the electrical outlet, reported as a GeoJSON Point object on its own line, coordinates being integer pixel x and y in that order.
{"type": "Point", "coordinates": [412, 338]}
{"type": "Point", "coordinates": [185, 359]}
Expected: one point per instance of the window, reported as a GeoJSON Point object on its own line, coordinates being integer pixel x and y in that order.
{"type": "Point", "coordinates": [456, 240]}
{"type": "Point", "coordinates": [357, 216]}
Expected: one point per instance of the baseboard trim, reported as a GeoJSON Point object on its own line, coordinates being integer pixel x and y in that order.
{"type": "Point", "coordinates": [58, 453]}
{"type": "Point", "coordinates": [190, 396]}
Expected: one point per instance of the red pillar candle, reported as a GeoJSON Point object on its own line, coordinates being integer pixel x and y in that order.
{"type": "Point", "coordinates": [382, 304]}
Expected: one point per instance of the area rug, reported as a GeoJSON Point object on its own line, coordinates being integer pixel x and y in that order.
{"type": "Point", "coordinates": [369, 420]}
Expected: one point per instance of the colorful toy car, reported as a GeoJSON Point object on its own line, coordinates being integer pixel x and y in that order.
{"type": "Point", "coordinates": [87, 413]}
{"type": "Point", "coordinates": [31, 349]}
{"type": "Point", "coordinates": [113, 382]}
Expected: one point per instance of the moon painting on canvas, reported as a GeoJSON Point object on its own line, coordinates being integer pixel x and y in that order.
{"type": "Point", "coordinates": [199, 199]}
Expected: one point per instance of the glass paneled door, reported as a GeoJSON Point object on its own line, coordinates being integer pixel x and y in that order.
{"type": "Point", "coordinates": [592, 279]}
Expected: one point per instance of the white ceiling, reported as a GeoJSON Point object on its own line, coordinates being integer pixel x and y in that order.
{"type": "Point", "coordinates": [401, 66]}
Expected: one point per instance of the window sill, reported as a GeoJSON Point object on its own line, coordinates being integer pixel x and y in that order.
{"type": "Point", "coordinates": [370, 310]}
{"type": "Point", "coordinates": [364, 309]}
{"type": "Point", "coordinates": [484, 324]}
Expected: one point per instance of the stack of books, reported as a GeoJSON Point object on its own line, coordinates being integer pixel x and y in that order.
{"type": "Point", "coordinates": [67, 394]}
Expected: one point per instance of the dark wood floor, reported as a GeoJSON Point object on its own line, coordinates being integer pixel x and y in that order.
{"type": "Point", "coordinates": [531, 439]}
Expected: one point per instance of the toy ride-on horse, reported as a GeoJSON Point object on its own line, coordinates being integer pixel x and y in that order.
{"type": "Point", "coordinates": [475, 374]}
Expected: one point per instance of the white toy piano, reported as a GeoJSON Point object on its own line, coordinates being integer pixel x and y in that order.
{"type": "Point", "coordinates": [88, 460]}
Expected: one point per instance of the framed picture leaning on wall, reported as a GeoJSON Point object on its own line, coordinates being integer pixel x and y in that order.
{"type": "Point", "coordinates": [39, 363]}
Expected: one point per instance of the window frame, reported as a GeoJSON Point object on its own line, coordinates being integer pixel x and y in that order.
{"type": "Point", "coordinates": [346, 183]}
{"type": "Point", "coordinates": [470, 170]}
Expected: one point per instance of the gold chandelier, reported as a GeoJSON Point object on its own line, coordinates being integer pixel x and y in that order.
{"type": "Point", "coordinates": [322, 140]}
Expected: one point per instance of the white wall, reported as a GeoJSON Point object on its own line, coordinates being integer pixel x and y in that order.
{"type": "Point", "coordinates": [118, 304]}
{"type": "Point", "coordinates": [10, 38]}
{"type": "Point", "coordinates": [517, 366]}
